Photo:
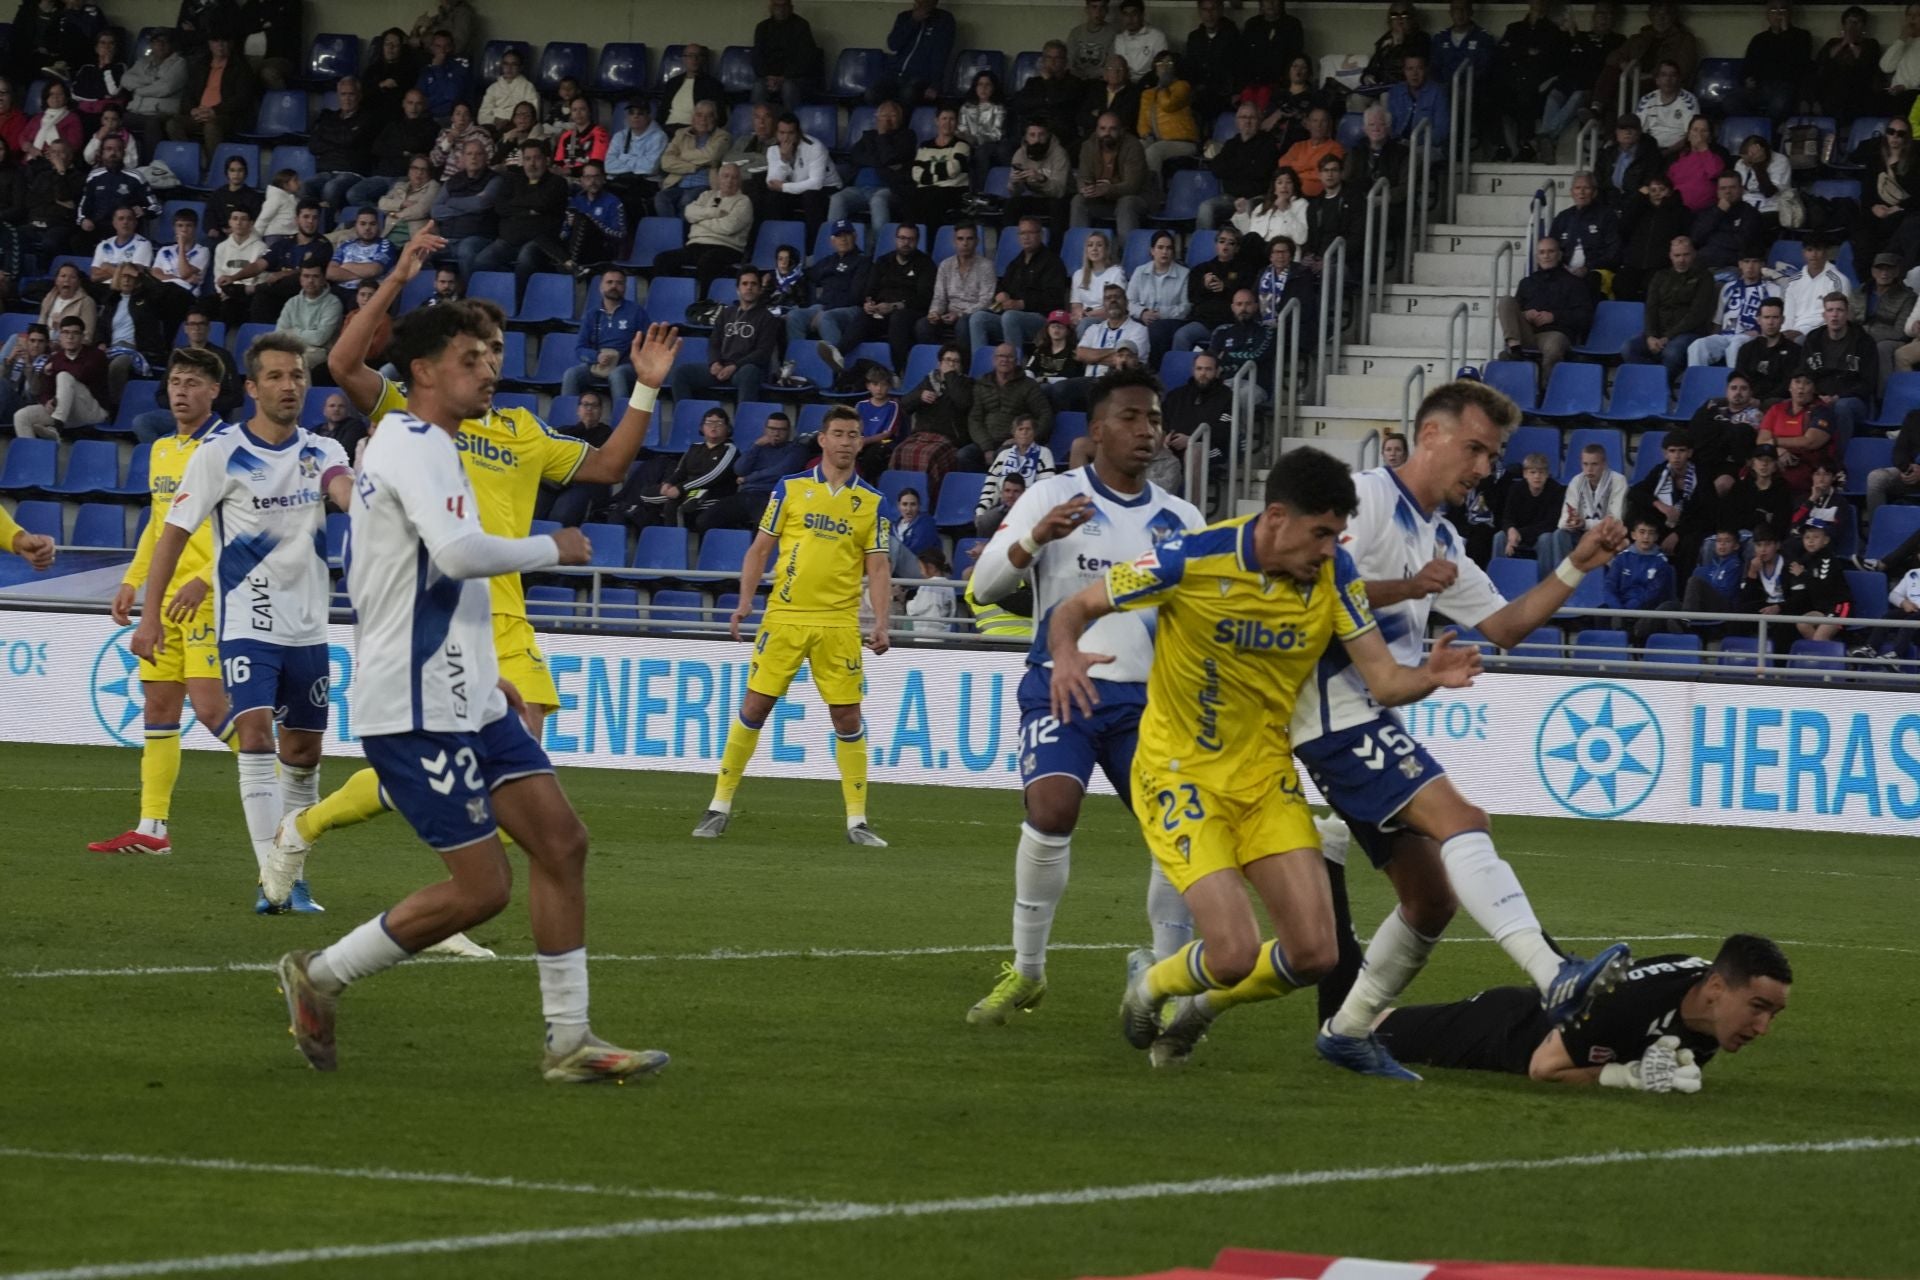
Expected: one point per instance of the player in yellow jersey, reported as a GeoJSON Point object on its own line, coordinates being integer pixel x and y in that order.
{"type": "Point", "coordinates": [35, 548]}
{"type": "Point", "coordinates": [1246, 610]}
{"type": "Point", "coordinates": [189, 666]}
{"type": "Point", "coordinates": [821, 528]}
{"type": "Point", "coordinates": [507, 456]}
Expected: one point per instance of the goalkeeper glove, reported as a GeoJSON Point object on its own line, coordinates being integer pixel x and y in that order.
{"type": "Point", "coordinates": [1664, 1068]}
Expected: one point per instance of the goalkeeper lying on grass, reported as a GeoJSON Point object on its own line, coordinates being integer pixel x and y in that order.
{"type": "Point", "coordinates": [1652, 1032]}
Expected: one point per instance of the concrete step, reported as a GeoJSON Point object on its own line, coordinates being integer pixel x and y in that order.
{"type": "Point", "coordinates": [1433, 299]}
{"type": "Point", "coordinates": [1469, 270]}
{"type": "Point", "coordinates": [1391, 365]}
{"type": "Point", "coordinates": [1338, 422]}
{"type": "Point", "coordinates": [1460, 237]}
{"type": "Point", "coordinates": [1523, 179]}
{"type": "Point", "coordinates": [1414, 333]}
{"type": "Point", "coordinates": [1364, 391]}
{"type": "Point", "coordinates": [1493, 212]}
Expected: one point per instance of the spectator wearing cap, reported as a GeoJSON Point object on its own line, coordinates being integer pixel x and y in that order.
{"type": "Point", "coordinates": [1844, 364]}
{"type": "Point", "coordinates": [1816, 585]}
{"type": "Point", "coordinates": [1053, 359]}
{"type": "Point", "coordinates": [1801, 430]}
{"type": "Point", "coordinates": [1806, 294]}
{"type": "Point", "coordinates": [899, 292]}
{"type": "Point", "coordinates": [962, 285]}
{"type": "Point", "coordinates": [837, 282]}
{"type": "Point", "coordinates": [1628, 161]}
{"type": "Point", "coordinates": [633, 157]}
{"type": "Point", "coordinates": [1680, 303]}
{"type": "Point", "coordinates": [1888, 313]}
{"type": "Point", "coordinates": [1740, 302]}
{"type": "Point", "coordinates": [1552, 309]}
{"type": "Point", "coordinates": [1902, 479]}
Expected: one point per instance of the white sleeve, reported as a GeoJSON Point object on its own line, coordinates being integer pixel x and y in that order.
{"type": "Point", "coordinates": [1617, 496]}
{"type": "Point", "coordinates": [332, 457]}
{"type": "Point", "coordinates": [994, 577]}
{"type": "Point", "coordinates": [434, 493]}
{"type": "Point", "coordinates": [202, 486]}
{"type": "Point", "coordinates": [1371, 523]}
{"type": "Point", "coordinates": [1472, 598]}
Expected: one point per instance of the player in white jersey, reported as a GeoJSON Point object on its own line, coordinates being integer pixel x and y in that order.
{"type": "Point", "coordinates": [1407, 816]}
{"type": "Point", "coordinates": [1065, 533]}
{"type": "Point", "coordinates": [264, 485]}
{"type": "Point", "coordinates": [439, 727]}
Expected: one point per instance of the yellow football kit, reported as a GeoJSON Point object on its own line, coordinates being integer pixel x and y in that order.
{"type": "Point", "coordinates": [9, 529]}
{"type": "Point", "coordinates": [813, 610]}
{"type": "Point", "coordinates": [507, 455]}
{"type": "Point", "coordinates": [1214, 784]}
{"type": "Point", "coordinates": [192, 649]}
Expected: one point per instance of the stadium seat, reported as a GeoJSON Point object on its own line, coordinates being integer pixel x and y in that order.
{"type": "Point", "coordinates": [513, 361]}
{"type": "Point", "coordinates": [1574, 391]}
{"type": "Point", "coordinates": [959, 497]}
{"type": "Point", "coordinates": [1818, 655]}
{"type": "Point", "coordinates": [1718, 84]}
{"type": "Point", "coordinates": [100, 524]}
{"type": "Point", "coordinates": [1590, 594]}
{"type": "Point", "coordinates": [1639, 394]}
{"type": "Point", "coordinates": [337, 525]}
{"type": "Point", "coordinates": [812, 418]}
{"type": "Point", "coordinates": [504, 400]}
{"type": "Point", "coordinates": [966, 551]}
{"type": "Point", "coordinates": [243, 337]}
{"type": "Point", "coordinates": [685, 427]}
{"type": "Point", "coordinates": [297, 158]}
{"type": "Point", "coordinates": [621, 71]}
{"type": "Point", "coordinates": [750, 419]}
{"type": "Point", "coordinates": [30, 466]}
{"type": "Point", "coordinates": [619, 608]}
{"type": "Point", "coordinates": [1136, 252]}
{"type": "Point", "coordinates": [735, 69]}
{"type": "Point", "coordinates": [767, 241]}
{"type": "Point", "coordinates": [549, 300]}
{"type": "Point", "coordinates": [1176, 370]}
{"type": "Point", "coordinates": [822, 124]}
{"type": "Point", "coordinates": [550, 603]}
{"type": "Point", "coordinates": [854, 72]}
{"type": "Point", "coordinates": [922, 359]}
{"type": "Point", "coordinates": [1068, 427]}
{"type": "Point", "coordinates": [184, 159]}
{"type": "Point", "coordinates": [1351, 130]}
{"type": "Point", "coordinates": [609, 543]}
{"type": "Point", "coordinates": [1526, 440]}
{"type": "Point", "coordinates": [923, 124]}
{"type": "Point", "coordinates": [13, 323]}
{"type": "Point", "coordinates": [1864, 454]}
{"type": "Point", "coordinates": [496, 50]}
{"type": "Point", "coordinates": [1837, 189]}
{"type": "Point", "coordinates": [1519, 380]}
{"type": "Point", "coordinates": [661, 552]}
{"type": "Point", "coordinates": [982, 362]}
{"type": "Point", "coordinates": [674, 610]}
{"type": "Point", "coordinates": [1604, 644]}
{"type": "Point", "coordinates": [668, 298]}
{"type": "Point", "coordinates": [41, 517]}
{"type": "Point", "coordinates": [216, 334]}
{"type": "Point", "coordinates": [1187, 190]}
{"type": "Point", "coordinates": [1868, 590]}
{"type": "Point", "coordinates": [1673, 650]}
{"type": "Point", "coordinates": [35, 97]}
{"type": "Point", "coordinates": [1740, 651]}
{"type": "Point", "coordinates": [494, 286]}
{"type": "Point", "coordinates": [1607, 438]}
{"type": "Point", "coordinates": [1902, 397]}
{"type": "Point", "coordinates": [1513, 578]}
{"type": "Point", "coordinates": [969, 63]}
{"type": "Point", "coordinates": [93, 466]}
{"type": "Point", "coordinates": [416, 291]}
{"type": "Point", "coordinates": [135, 485]}
{"type": "Point", "coordinates": [140, 395]}
{"type": "Point", "coordinates": [1649, 455]}
{"type": "Point", "coordinates": [561, 60]}
{"type": "Point", "coordinates": [723, 550]}
{"type": "Point", "coordinates": [807, 364]}
{"type": "Point", "coordinates": [217, 167]}
{"type": "Point", "coordinates": [331, 56]}
{"type": "Point", "coordinates": [551, 365]}
{"type": "Point", "coordinates": [894, 483]}
{"type": "Point", "coordinates": [1613, 324]}
{"type": "Point", "coordinates": [1735, 130]}
{"type": "Point", "coordinates": [282, 114]}
{"type": "Point", "coordinates": [1546, 642]}
{"type": "Point", "coordinates": [999, 181]}
{"type": "Point", "coordinates": [1892, 526]}
{"type": "Point", "coordinates": [1699, 384]}
{"type": "Point", "coordinates": [1026, 66]}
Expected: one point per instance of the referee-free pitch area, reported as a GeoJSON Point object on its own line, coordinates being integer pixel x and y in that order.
{"type": "Point", "coordinates": [829, 1112]}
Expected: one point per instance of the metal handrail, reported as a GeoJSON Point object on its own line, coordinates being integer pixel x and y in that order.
{"type": "Point", "coordinates": [1628, 91]}
{"type": "Point", "coordinates": [1503, 256]}
{"type": "Point", "coordinates": [1462, 315]}
{"type": "Point", "coordinates": [1373, 254]}
{"type": "Point", "coordinates": [1407, 401]}
{"type": "Point", "coordinates": [1333, 297]}
{"type": "Point", "coordinates": [1540, 212]}
{"type": "Point", "coordinates": [1419, 192]}
{"type": "Point", "coordinates": [1459, 136]}
{"type": "Point", "coordinates": [1239, 423]}
{"type": "Point", "coordinates": [1286, 360]}
{"type": "Point", "coordinates": [1199, 447]}
{"type": "Point", "coordinates": [1586, 147]}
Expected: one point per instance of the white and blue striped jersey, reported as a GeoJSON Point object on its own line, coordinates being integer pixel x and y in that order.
{"type": "Point", "coordinates": [267, 503]}
{"type": "Point", "coordinates": [423, 641]}
{"type": "Point", "coordinates": [1122, 528]}
{"type": "Point", "coordinates": [1391, 539]}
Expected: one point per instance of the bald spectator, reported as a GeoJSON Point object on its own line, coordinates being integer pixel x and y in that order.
{"type": "Point", "coordinates": [1551, 310]}
{"type": "Point", "coordinates": [1305, 156]}
{"type": "Point", "coordinates": [1004, 395]}
{"type": "Point", "coordinates": [219, 97]}
{"type": "Point", "coordinates": [1680, 309]}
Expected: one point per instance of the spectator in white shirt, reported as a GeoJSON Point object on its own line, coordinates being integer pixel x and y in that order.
{"type": "Point", "coordinates": [112, 125]}
{"type": "Point", "coordinates": [125, 245]}
{"type": "Point", "coordinates": [506, 93]}
{"type": "Point", "coordinates": [1668, 110]}
{"type": "Point", "coordinates": [183, 264]}
{"type": "Point", "coordinates": [1100, 344]}
{"type": "Point", "coordinates": [1597, 493]}
{"type": "Point", "coordinates": [238, 262]}
{"type": "Point", "coordinates": [1806, 293]}
{"type": "Point", "coordinates": [800, 178]}
{"type": "Point", "coordinates": [1137, 42]}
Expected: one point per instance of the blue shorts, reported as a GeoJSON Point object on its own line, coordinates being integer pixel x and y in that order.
{"type": "Point", "coordinates": [292, 682]}
{"type": "Point", "coordinates": [442, 782]}
{"type": "Point", "coordinates": [1107, 738]}
{"type": "Point", "coordinates": [1369, 773]}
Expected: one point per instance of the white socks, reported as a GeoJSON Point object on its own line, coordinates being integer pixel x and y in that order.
{"type": "Point", "coordinates": [1395, 957]}
{"type": "Point", "coordinates": [361, 954]}
{"type": "Point", "coordinates": [1039, 882]}
{"type": "Point", "coordinates": [156, 827]}
{"type": "Point", "coordinates": [260, 800]}
{"type": "Point", "coordinates": [299, 787]}
{"type": "Point", "coordinates": [1167, 913]}
{"type": "Point", "coordinates": [1487, 887]}
{"type": "Point", "coordinates": [563, 998]}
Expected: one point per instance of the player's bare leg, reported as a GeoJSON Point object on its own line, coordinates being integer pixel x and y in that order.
{"type": "Point", "coordinates": [535, 811]}
{"type": "Point", "coordinates": [163, 701]}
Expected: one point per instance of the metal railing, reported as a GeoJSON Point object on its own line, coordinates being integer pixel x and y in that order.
{"type": "Point", "coordinates": [1373, 255]}
{"type": "Point", "coordinates": [1460, 318]}
{"type": "Point", "coordinates": [1196, 465]}
{"type": "Point", "coordinates": [1240, 420]}
{"type": "Point", "coordinates": [1287, 377]}
{"type": "Point", "coordinates": [1586, 147]}
{"type": "Point", "coordinates": [1502, 257]}
{"type": "Point", "coordinates": [1459, 137]}
{"type": "Point", "coordinates": [1410, 398]}
{"type": "Point", "coordinates": [1540, 212]}
{"type": "Point", "coordinates": [1333, 315]}
{"type": "Point", "coordinates": [1627, 96]}
{"type": "Point", "coordinates": [1419, 194]}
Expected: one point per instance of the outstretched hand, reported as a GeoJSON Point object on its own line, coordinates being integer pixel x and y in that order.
{"type": "Point", "coordinates": [653, 354]}
{"type": "Point", "coordinates": [1453, 666]}
{"type": "Point", "coordinates": [420, 246]}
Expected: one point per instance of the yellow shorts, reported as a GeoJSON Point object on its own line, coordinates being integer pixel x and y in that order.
{"type": "Point", "coordinates": [192, 650]}
{"type": "Point", "coordinates": [1193, 832]}
{"type": "Point", "coordinates": [833, 654]}
{"type": "Point", "coordinates": [521, 662]}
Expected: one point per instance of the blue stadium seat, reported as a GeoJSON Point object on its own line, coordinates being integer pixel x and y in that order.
{"type": "Point", "coordinates": [922, 359]}
{"type": "Point", "coordinates": [723, 550]}
{"type": "Point", "coordinates": [854, 72]}
{"type": "Point", "coordinates": [1902, 397]}
{"type": "Point", "coordinates": [216, 334]}
{"type": "Point", "coordinates": [504, 400]}
{"type": "Point", "coordinates": [750, 419]}
{"type": "Point", "coordinates": [619, 608]}
{"type": "Point", "coordinates": [1870, 125]}
{"type": "Point", "coordinates": [1672, 649]}
{"type": "Point", "coordinates": [724, 290]}
{"type": "Point", "coordinates": [1869, 593]}
{"type": "Point", "coordinates": [1613, 324]}
{"type": "Point", "coordinates": [41, 517]}
{"type": "Point", "coordinates": [184, 159]}
{"type": "Point", "coordinates": [661, 551]}
{"type": "Point", "coordinates": [822, 124]}
{"type": "Point", "coordinates": [1067, 427]}
{"type": "Point", "coordinates": [36, 96]}
{"type": "Point", "coordinates": [621, 71]}
{"type": "Point", "coordinates": [282, 114]}
{"type": "Point", "coordinates": [1639, 394]}
{"type": "Point", "coordinates": [548, 603]}
{"type": "Point", "coordinates": [1545, 642]}
{"type": "Point", "coordinates": [513, 361]}
{"type": "Point", "coordinates": [140, 395]}
{"type": "Point", "coordinates": [495, 286]}
{"type": "Point", "coordinates": [1224, 126]}
{"type": "Point", "coordinates": [551, 365]}
{"type": "Point", "coordinates": [1649, 457]}
{"type": "Point", "coordinates": [684, 431]}
{"type": "Point", "coordinates": [1837, 188]}
{"type": "Point", "coordinates": [673, 58]}
{"type": "Point", "coordinates": [549, 300]}
{"type": "Point", "coordinates": [243, 337]}
{"type": "Point", "coordinates": [894, 483]}
{"type": "Point", "coordinates": [1735, 130]}
{"type": "Point", "coordinates": [999, 181]}
{"type": "Point", "coordinates": [331, 56]}
{"type": "Point", "coordinates": [1604, 644]}
{"type": "Point", "coordinates": [1574, 390]}
{"type": "Point", "coordinates": [671, 610]}
{"type": "Point", "coordinates": [739, 119]}
{"type": "Point", "coordinates": [1519, 380]}
{"type": "Point", "coordinates": [100, 524]}
{"type": "Point", "coordinates": [1864, 454]}
{"type": "Point", "coordinates": [668, 298]}
{"type": "Point", "coordinates": [1818, 655]}
{"type": "Point", "coordinates": [772, 234]}
{"type": "Point", "coordinates": [966, 551]}
{"type": "Point", "coordinates": [560, 60]}
{"type": "Point", "coordinates": [1200, 248]}
{"type": "Point", "coordinates": [1740, 651]}
{"type": "Point", "coordinates": [959, 497]}
{"type": "Point", "coordinates": [609, 543]}
{"type": "Point", "coordinates": [1513, 578]}
{"type": "Point", "coordinates": [1187, 190]}
{"type": "Point", "coordinates": [1526, 440]}
{"type": "Point", "coordinates": [1351, 130]}
{"type": "Point", "coordinates": [735, 69]}
{"type": "Point", "coordinates": [969, 63]}
{"type": "Point", "coordinates": [1176, 369]}
{"type": "Point", "coordinates": [297, 158]}
{"type": "Point", "coordinates": [982, 362]}
{"type": "Point", "coordinates": [30, 466]}
{"type": "Point", "coordinates": [1891, 526]}
{"type": "Point", "coordinates": [135, 485]}
{"type": "Point", "coordinates": [924, 123]}
{"type": "Point", "coordinates": [1607, 438]}
{"type": "Point", "coordinates": [1136, 252]}
{"type": "Point", "coordinates": [93, 466]}
{"type": "Point", "coordinates": [1026, 66]}
{"type": "Point", "coordinates": [812, 418]}
{"type": "Point", "coordinates": [416, 291]}
{"type": "Point", "coordinates": [1718, 84]}
{"type": "Point", "coordinates": [217, 166]}
{"type": "Point", "coordinates": [496, 50]}
{"type": "Point", "coordinates": [1699, 384]}
{"type": "Point", "coordinates": [14, 322]}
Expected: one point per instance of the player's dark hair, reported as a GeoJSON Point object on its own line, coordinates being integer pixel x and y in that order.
{"type": "Point", "coordinates": [425, 333]}
{"type": "Point", "coordinates": [1118, 380]}
{"type": "Point", "coordinates": [1452, 399]}
{"type": "Point", "coordinates": [840, 413]}
{"type": "Point", "coordinates": [195, 360]}
{"type": "Point", "coordinates": [1309, 482]}
{"type": "Point", "coordinates": [1746, 956]}
{"type": "Point", "coordinates": [285, 343]}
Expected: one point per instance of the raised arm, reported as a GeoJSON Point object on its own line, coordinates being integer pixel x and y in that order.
{"type": "Point", "coordinates": [1521, 618]}
{"type": "Point", "coordinates": [347, 362]}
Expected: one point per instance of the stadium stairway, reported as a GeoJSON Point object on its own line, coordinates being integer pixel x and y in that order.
{"type": "Point", "coordinates": [1409, 327]}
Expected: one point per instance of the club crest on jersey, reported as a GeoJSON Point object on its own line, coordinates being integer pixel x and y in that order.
{"type": "Point", "coordinates": [309, 465]}
{"type": "Point", "coordinates": [1147, 561]}
{"type": "Point", "coordinates": [477, 810]}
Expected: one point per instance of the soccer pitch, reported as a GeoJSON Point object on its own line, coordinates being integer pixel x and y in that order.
{"type": "Point", "coordinates": [828, 1111]}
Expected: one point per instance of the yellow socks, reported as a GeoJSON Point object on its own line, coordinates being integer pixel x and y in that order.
{"type": "Point", "coordinates": [1269, 980]}
{"type": "Point", "coordinates": [851, 755]}
{"type": "Point", "coordinates": [358, 799]}
{"type": "Point", "coordinates": [159, 770]}
{"type": "Point", "coordinates": [1185, 973]}
{"type": "Point", "coordinates": [742, 739]}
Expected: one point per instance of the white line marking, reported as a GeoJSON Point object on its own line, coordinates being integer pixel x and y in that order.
{"type": "Point", "coordinates": [848, 953]}
{"type": "Point", "coordinates": [409, 1175]}
{"type": "Point", "coordinates": [836, 1214]}
{"type": "Point", "coordinates": [1715, 866]}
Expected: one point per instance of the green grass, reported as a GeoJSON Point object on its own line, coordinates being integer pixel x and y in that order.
{"type": "Point", "coordinates": [855, 1078]}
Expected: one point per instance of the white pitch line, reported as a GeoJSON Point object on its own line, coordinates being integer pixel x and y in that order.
{"type": "Point", "coordinates": [845, 953]}
{"type": "Point", "coordinates": [854, 1213]}
{"type": "Point", "coordinates": [410, 1175]}
{"type": "Point", "coordinates": [1715, 866]}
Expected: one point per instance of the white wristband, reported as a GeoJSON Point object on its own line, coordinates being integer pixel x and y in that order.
{"type": "Point", "coordinates": [1568, 574]}
{"type": "Point", "coordinates": [644, 398]}
{"type": "Point", "coordinates": [1028, 545]}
